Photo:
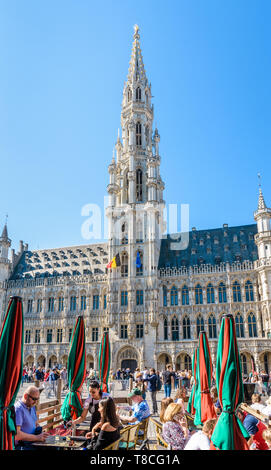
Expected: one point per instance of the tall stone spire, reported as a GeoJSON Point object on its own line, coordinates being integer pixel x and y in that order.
{"type": "Point", "coordinates": [136, 70]}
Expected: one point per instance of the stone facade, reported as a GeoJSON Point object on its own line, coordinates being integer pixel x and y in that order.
{"type": "Point", "coordinates": [159, 298]}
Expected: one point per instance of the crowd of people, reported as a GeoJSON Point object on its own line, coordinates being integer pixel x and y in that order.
{"type": "Point", "coordinates": [106, 420]}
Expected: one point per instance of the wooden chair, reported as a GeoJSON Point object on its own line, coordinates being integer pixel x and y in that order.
{"type": "Point", "coordinates": [128, 437]}
{"type": "Point", "coordinates": [160, 444]}
{"type": "Point", "coordinates": [113, 446]}
{"type": "Point", "coordinates": [142, 431]}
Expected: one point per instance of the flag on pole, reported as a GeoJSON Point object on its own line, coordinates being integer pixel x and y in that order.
{"type": "Point", "coordinates": [114, 262]}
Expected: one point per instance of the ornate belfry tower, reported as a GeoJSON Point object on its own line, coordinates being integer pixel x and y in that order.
{"type": "Point", "coordinates": [135, 209]}
{"type": "Point", "coordinates": [263, 264]}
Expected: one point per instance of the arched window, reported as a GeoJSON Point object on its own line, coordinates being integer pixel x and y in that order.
{"type": "Point", "coordinates": [186, 328]}
{"type": "Point", "coordinates": [174, 296]}
{"type": "Point", "coordinates": [164, 296]}
{"type": "Point", "coordinates": [187, 362]}
{"type": "Point", "coordinates": [239, 326]}
{"type": "Point", "coordinates": [138, 134]}
{"type": "Point", "coordinates": [124, 237]}
{"type": "Point", "coordinates": [165, 329]}
{"type": "Point", "coordinates": [129, 94]}
{"type": "Point", "coordinates": [210, 294]}
{"type": "Point", "coordinates": [139, 263]}
{"type": "Point", "coordinates": [147, 135]}
{"type": "Point", "coordinates": [212, 327]}
{"type": "Point", "coordinates": [138, 94]}
{"type": "Point", "coordinates": [200, 325]}
{"type": "Point", "coordinates": [252, 326]}
{"type": "Point", "coordinates": [124, 265]}
{"type": "Point", "coordinates": [249, 291]}
{"type": "Point", "coordinates": [175, 329]}
{"type": "Point", "coordinates": [243, 363]}
{"type": "Point", "coordinates": [236, 292]}
{"type": "Point", "coordinates": [198, 294]}
{"type": "Point", "coordinates": [222, 293]}
{"type": "Point", "coordinates": [139, 179]}
{"type": "Point", "coordinates": [185, 295]}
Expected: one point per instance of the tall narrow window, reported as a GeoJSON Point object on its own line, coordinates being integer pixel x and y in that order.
{"type": "Point", "coordinates": [175, 329]}
{"type": "Point", "coordinates": [139, 263]}
{"type": "Point", "coordinates": [236, 292]}
{"type": "Point", "coordinates": [139, 193]}
{"type": "Point", "coordinates": [139, 297]}
{"type": "Point", "coordinates": [124, 265]}
{"type": "Point", "coordinates": [51, 304]}
{"type": "Point", "coordinates": [83, 302]}
{"type": "Point", "coordinates": [138, 134]}
{"type": "Point", "coordinates": [129, 95]}
{"type": "Point", "coordinates": [59, 335]}
{"type": "Point", "coordinates": [174, 296]}
{"type": "Point", "coordinates": [239, 326]}
{"type": "Point", "coordinates": [96, 301]}
{"type": "Point", "coordinates": [210, 294]}
{"type": "Point", "coordinates": [249, 291]}
{"type": "Point", "coordinates": [60, 304]}
{"type": "Point", "coordinates": [200, 324]}
{"type": "Point", "coordinates": [164, 296]}
{"type": "Point", "coordinates": [37, 336]}
{"type": "Point", "coordinates": [39, 305]}
{"type": "Point", "coordinates": [212, 327]}
{"type": "Point", "coordinates": [222, 293]}
{"type": "Point", "coordinates": [185, 295]}
{"type": "Point", "coordinates": [27, 336]}
{"type": "Point", "coordinates": [138, 94]}
{"type": "Point", "coordinates": [186, 328]}
{"type": "Point", "coordinates": [165, 329]}
{"type": "Point", "coordinates": [252, 326]}
{"type": "Point", "coordinates": [198, 294]}
{"type": "Point", "coordinates": [73, 303]}
{"type": "Point", "coordinates": [124, 298]}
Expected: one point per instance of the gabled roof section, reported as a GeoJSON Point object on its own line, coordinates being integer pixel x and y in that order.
{"type": "Point", "coordinates": [214, 246]}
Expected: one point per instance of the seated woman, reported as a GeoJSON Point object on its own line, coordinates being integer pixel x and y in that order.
{"type": "Point", "coordinates": [164, 404]}
{"type": "Point", "coordinates": [107, 430]}
{"type": "Point", "coordinates": [175, 430]}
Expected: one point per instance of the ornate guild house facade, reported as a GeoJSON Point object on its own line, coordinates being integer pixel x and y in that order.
{"type": "Point", "coordinates": [158, 297]}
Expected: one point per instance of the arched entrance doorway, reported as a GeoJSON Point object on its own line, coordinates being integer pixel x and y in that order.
{"type": "Point", "coordinates": [183, 362]}
{"type": "Point", "coordinates": [52, 361]}
{"type": "Point", "coordinates": [41, 361]}
{"type": "Point", "coordinates": [162, 361]}
{"type": "Point", "coordinates": [128, 358]}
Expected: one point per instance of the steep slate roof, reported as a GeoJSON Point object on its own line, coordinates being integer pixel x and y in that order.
{"type": "Point", "coordinates": [67, 261]}
{"type": "Point", "coordinates": [214, 246]}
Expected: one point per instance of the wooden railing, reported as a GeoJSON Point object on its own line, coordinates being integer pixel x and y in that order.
{"type": "Point", "coordinates": [49, 414]}
{"type": "Point", "coordinates": [260, 416]}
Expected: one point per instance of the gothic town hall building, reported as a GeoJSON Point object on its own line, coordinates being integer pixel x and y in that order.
{"type": "Point", "coordinates": [163, 293]}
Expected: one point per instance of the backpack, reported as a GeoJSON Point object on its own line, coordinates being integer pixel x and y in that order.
{"type": "Point", "coordinates": [158, 383]}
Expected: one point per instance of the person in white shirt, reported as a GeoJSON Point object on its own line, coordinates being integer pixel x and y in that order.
{"type": "Point", "coordinates": [267, 409]}
{"type": "Point", "coordinates": [256, 402]}
{"type": "Point", "coordinates": [200, 440]}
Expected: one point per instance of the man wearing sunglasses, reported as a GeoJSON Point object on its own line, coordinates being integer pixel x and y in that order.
{"type": "Point", "coordinates": [26, 420]}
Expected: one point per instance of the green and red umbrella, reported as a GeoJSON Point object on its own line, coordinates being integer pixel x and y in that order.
{"type": "Point", "coordinates": [205, 409]}
{"type": "Point", "coordinates": [72, 406]}
{"type": "Point", "coordinates": [191, 405]}
{"type": "Point", "coordinates": [104, 361]}
{"type": "Point", "coordinates": [229, 433]}
{"type": "Point", "coordinates": [11, 360]}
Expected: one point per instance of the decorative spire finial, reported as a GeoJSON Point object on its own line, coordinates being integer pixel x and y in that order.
{"type": "Point", "coordinates": [136, 33]}
{"type": "Point", "coordinates": [261, 202]}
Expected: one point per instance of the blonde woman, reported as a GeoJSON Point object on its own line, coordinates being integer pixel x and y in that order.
{"type": "Point", "coordinates": [164, 404]}
{"type": "Point", "coordinates": [175, 430]}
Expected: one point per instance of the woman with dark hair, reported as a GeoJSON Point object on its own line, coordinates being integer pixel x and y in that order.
{"type": "Point", "coordinates": [106, 431]}
{"type": "Point", "coordinates": [91, 405]}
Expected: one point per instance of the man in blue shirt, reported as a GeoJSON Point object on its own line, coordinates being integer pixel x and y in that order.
{"type": "Point", "coordinates": [26, 420]}
{"type": "Point", "coordinates": [140, 408]}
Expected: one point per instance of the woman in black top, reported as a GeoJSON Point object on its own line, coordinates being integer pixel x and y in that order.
{"type": "Point", "coordinates": [107, 430]}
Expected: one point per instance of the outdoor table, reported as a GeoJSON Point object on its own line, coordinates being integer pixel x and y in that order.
{"type": "Point", "coordinates": [62, 442]}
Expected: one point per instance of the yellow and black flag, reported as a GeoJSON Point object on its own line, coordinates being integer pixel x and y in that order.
{"type": "Point", "coordinates": [115, 262]}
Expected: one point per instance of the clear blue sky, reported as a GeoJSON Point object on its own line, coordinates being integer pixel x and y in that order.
{"type": "Point", "coordinates": [63, 65]}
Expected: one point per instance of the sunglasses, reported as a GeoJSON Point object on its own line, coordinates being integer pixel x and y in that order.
{"type": "Point", "coordinates": [33, 398]}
